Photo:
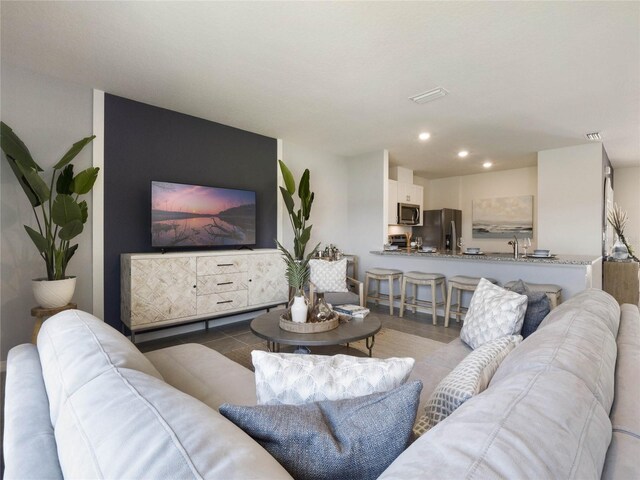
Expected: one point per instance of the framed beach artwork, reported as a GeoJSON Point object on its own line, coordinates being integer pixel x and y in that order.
{"type": "Point", "coordinates": [503, 217]}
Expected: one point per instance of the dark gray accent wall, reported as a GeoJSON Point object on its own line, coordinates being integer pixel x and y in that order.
{"type": "Point", "coordinates": [145, 143]}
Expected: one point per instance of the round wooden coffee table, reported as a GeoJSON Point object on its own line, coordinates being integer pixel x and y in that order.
{"type": "Point", "coordinates": [267, 326]}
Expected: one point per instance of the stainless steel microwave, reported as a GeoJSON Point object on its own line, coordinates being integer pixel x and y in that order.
{"type": "Point", "coordinates": [408, 214]}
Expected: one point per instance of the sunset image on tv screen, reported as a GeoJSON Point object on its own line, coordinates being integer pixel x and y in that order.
{"type": "Point", "coordinates": [196, 216]}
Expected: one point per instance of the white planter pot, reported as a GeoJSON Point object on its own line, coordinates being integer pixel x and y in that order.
{"type": "Point", "coordinates": [299, 309]}
{"type": "Point", "coordinates": [53, 293]}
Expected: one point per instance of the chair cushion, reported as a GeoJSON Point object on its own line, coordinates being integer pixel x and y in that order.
{"type": "Point", "coordinates": [469, 378]}
{"type": "Point", "coordinates": [355, 438]}
{"type": "Point", "coordinates": [538, 306]}
{"type": "Point", "coordinates": [329, 276]}
{"type": "Point", "coordinates": [493, 313]}
{"type": "Point", "coordinates": [287, 378]}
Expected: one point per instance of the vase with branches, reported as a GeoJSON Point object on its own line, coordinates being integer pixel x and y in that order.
{"type": "Point", "coordinates": [297, 263]}
{"type": "Point", "coordinates": [618, 219]}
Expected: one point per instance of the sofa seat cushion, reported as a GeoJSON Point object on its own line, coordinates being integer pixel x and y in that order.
{"type": "Point", "coordinates": [205, 374]}
{"type": "Point", "coordinates": [354, 438]}
{"type": "Point", "coordinates": [75, 347]}
{"type": "Point", "coordinates": [470, 377]}
{"type": "Point", "coordinates": [291, 379]}
{"type": "Point", "coordinates": [543, 424]}
{"type": "Point", "coordinates": [127, 424]}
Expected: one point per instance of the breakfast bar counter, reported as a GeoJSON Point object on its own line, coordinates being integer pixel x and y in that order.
{"type": "Point", "coordinates": [573, 273]}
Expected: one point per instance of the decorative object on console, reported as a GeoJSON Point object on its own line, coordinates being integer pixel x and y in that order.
{"type": "Point", "coordinates": [297, 264]}
{"type": "Point", "coordinates": [60, 221]}
{"type": "Point", "coordinates": [493, 313]}
{"type": "Point", "coordinates": [502, 217]}
{"type": "Point", "coordinates": [285, 378]}
{"type": "Point", "coordinates": [621, 249]}
{"type": "Point", "coordinates": [354, 438]}
{"type": "Point", "coordinates": [469, 378]}
{"type": "Point", "coordinates": [538, 307]}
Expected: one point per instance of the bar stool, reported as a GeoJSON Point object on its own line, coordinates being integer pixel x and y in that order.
{"type": "Point", "coordinates": [461, 283]}
{"type": "Point", "coordinates": [428, 279]}
{"type": "Point", "coordinates": [554, 292]}
{"type": "Point", "coordinates": [385, 275]}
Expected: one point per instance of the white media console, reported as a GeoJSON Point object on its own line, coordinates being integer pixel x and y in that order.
{"type": "Point", "coordinates": [159, 290]}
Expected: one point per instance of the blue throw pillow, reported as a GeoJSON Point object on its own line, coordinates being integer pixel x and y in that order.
{"type": "Point", "coordinates": [356, 438]}
{"type": "Point", "coordinates": [538, 307]}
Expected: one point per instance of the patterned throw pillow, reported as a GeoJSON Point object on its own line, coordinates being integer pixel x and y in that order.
{"type": "Point", "coordinates": [356, 438]}
{"type": "Point", "coordinates": [538, 307]}
{"type": "Point", "coordinates": [470, 377]}
{"type": "Point", "coordinates": [329, 276]}
{"type": "Point", "coordinates": [493, 313]}
{"type": "Point", "coordinates": [292, 379]}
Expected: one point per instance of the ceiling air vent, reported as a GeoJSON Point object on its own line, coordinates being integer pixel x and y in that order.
{"type": "Point", "coordinates": [593, 136]}
{"type": "Point", "coordinates": [429, 96]}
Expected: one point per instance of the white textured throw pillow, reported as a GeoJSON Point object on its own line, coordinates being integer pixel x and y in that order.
{"type": "Point", "coordinates": [329, 276]}
{"type": "Point", "coordinates": [493, 313]}
{"type": "Point", "coordinates": [470, 377]}
{"type": "Point", "coordinates": [292, 379]}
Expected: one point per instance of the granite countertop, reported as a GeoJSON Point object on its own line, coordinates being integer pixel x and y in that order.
{"type": "Point", "coordinates": [493, 257]}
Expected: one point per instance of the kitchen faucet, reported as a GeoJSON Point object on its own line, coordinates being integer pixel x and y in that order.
{"type": "Point", "coordinates": [514, 243]}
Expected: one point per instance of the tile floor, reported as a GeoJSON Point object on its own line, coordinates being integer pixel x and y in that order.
{"type": "Point", "coordinates": [238, 335]}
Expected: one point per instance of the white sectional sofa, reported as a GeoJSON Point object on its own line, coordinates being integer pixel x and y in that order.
{"type": "Point", "coordinates": [85, 403]}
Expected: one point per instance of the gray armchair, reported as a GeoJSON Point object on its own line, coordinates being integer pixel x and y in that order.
{"type": "Point", "coordinates": [330, 277]}
{"type": "Point", "coordinates": [355, 295]}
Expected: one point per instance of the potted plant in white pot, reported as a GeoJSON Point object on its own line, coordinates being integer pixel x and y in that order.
{"type": "Point", "coordinates": [297, 263]}
{"type": "Point", "coordinates": [60, 217]}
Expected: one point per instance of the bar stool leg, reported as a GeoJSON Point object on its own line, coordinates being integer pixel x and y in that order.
{"type": "Point", "coordinates": [378, 291]}
{"type": "Point", "coordinates": [433, 302]}
{"type": "Point", "coordinates": [458, 308]}
{"type": "Point", "coordinates": [366, 288]}
{"type": "Point", "coordinates": [447, 311]}
{"type": "Point", "coordinates": [415, 298]}
{"type": "Point", "coordinates": [443, 287]}
{"type": "Point", "coordinates": [403, 296]}
{"type": "Point", "coordinates": [390, 294]}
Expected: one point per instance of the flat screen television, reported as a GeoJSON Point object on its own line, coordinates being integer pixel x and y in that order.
{"type": "Point", "coordinates": [197, 216]}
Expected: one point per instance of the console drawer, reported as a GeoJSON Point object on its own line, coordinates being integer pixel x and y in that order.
{"type": "Point", "coordinates": [215, 265]}
{"type": "Point", "coordinates": [220, 302]}
{"type": "Point", "coordinates": [227, 282]}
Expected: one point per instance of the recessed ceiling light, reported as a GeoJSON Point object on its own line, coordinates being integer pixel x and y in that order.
{"type": "Point", "coordinates": [593, 136]}
{"type": "Point", "coordinates": [429, 96]}
{"type": "Point", "coordinates": [487, 164]}
{"type": "Point", "coordinates": [463, 153]}
{"type": "Point", "coordinates": [424, 136]}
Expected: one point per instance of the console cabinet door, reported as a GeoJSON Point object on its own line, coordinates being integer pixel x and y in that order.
{"type": "Point", "coordinates": [162, 289]}
{"type": "Point", "coordinates": [267, 282]}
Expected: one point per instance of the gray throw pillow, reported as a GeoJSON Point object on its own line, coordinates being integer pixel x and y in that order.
{"type": "Point", "coordinates": [538, 307]}
{"type": "Point", "coordinates": [357, 438]}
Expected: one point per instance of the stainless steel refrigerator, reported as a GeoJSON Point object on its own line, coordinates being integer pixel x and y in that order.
{"type": "Point", "coordinates": [437, 229]}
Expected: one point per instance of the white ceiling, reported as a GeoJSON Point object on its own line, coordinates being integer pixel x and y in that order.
{"type": "Point", "coordinates": [522, 77]}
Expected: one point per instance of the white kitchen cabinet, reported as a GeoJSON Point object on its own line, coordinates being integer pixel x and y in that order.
{"type": "Point", "coordinates": [173, 288]}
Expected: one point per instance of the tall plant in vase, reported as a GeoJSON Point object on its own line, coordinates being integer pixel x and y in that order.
{"type": "Point", "coordinates": [297, 270]}
{"type": "Point", "coordinates": [60, 216]}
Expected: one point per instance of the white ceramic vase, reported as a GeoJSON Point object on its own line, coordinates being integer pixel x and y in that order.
{"type": "Point", "coordinates": [299, 309]}
{"type": "Point", "coordinates": [53, 293]}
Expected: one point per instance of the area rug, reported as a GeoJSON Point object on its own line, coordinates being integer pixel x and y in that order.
{"type": "Point", "coordinates": [388, 343]}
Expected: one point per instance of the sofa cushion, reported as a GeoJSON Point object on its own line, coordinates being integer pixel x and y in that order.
{"type": "Point", "coordinates": [205, 374]}
{"type": "Point", "coordinates": [469, 378]}
{"type": "Point", "coordinates": [538, 307]}
{"type": "Point", "coordinates": [579, 342]}
{"type": "Point", "coordinates": [287, 378]}
{"type": "Point", "coordinates": [543, 424]}
{"type": "Point", "coordinates": [355, 438]}
{"type": "Point", "coordinates": [127, 424]}
{"type": "Point", "coordinates": [75, 347]}
{"type": "Point", "coordinates": [624, 451]}
{"type": "Point", "coordinates": [493, 313]}
{"type": "Point", "coordinates": [329, 276]}
{"type": "Point", "coordinates": [30, 450]}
